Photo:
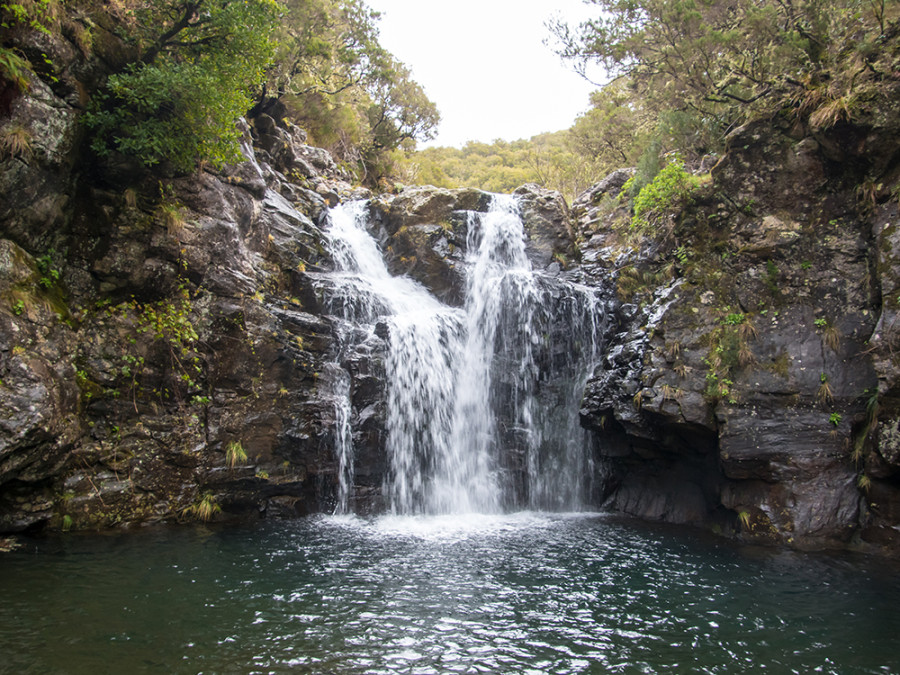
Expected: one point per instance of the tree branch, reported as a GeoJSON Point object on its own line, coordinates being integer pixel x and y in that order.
{"type": "Point", "coordinates": [189, 17]}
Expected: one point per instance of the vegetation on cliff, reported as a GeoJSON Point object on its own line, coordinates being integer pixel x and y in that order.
{"type": "Point", "coordinates": [194, 76]}
{"type": "Point", "coordinates": [719, 64]}
{"type": "Point", "coordinates": [182, 72]}
{"type": "Point", "coordinates": [686, 74]}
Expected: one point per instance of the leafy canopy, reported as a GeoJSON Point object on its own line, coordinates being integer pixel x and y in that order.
{"type": "Point", "coordinates": [199, 62]}
{"type": "Point", "coordinates": [546, 159]}
{"type": "Point", "coordinates": [341, 85]}
{"type": "Point", "coordinates": [204, 63]}
{"type": "Point", "coordinates": [717, 63]}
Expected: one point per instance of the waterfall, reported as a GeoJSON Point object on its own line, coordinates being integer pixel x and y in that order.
{"type": "Point", "coordinates": [481, 401]}
{"type": "Point", "coordinates": [343, 441]}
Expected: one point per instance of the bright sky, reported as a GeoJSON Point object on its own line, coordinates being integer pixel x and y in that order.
{"type": "Point", "coordinates": [484, 64]}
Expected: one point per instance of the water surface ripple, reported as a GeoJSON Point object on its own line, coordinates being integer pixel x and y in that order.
{"type": "Point", "coordinates": [522, 593]}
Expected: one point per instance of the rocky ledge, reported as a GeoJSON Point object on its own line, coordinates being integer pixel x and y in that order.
{"type": "Point", "coordinates": [751, 385]}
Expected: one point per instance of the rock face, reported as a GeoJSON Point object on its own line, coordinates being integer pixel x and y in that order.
{"type": "Point", "coordinates": [160, 349]}
{"type": "Point", "coordinates": [750, 386]}
{"type": "Point", "coordinates": [167, 351]}
{"type": "Point", "coordinates": [547, 226]}
{"type": "Point", "coordinates": [423, 232]}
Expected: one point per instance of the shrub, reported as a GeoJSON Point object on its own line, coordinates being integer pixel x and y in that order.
{"type": "Point", "coordinates": [204, 508]}
{"type": "Point", "coordinates": [235, 454]}
{"type": "Point", "coordinates": [671, 186]}
{"type": "Point", "coordinates": [180, 102]}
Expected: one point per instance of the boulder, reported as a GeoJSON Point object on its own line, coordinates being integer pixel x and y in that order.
{"type": "Point", "coordinates": [549, 235]}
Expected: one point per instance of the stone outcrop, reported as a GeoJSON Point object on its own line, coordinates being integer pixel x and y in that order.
{"type": "Point", "coordinates": [160, 348]}
{"type": "Point", "coordinates": [547, 226]}
{"type": "Point", "coordinates": [424, 234]}
{"type": "Point", "coordinates": [749, 386]}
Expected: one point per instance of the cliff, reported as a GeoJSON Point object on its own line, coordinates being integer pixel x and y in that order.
{"type": "Point", "coordinates": [751, 384]}
{"type": "Point", "coordinates": [167, 351]}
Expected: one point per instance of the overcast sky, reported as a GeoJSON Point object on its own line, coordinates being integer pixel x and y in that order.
{"type": "Point", "coordinates": [484, 64]}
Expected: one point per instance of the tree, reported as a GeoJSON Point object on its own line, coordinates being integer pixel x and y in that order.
{"type": "Point", "coordinates": [614, 129]}
{"type": "Point", "coordinates": [199, 62]}
{"type": "Point", "coordinates": [400, 111]}
{"type": "Point", "coordinates": [720, 62]}
{"type": "Point", "coordinates": [339, 83]}
{"type": "Point", "coordinates": [325, 47]}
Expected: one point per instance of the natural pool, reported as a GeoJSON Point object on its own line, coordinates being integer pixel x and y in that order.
{"type": "Point", "coordinates": [523, 593]}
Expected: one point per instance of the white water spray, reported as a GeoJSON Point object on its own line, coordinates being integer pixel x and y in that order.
{"type": "Point", "coordinates": [466, 427]}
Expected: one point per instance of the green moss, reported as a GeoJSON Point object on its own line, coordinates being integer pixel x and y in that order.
{"type": "Point", "coordinates": [781, 364]}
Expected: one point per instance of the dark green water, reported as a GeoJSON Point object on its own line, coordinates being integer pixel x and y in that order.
{"type": "Point", "coordinates": [526, 593]}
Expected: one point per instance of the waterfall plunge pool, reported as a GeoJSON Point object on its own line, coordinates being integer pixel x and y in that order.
{"type": "Point", "coordinates": [520, 593]}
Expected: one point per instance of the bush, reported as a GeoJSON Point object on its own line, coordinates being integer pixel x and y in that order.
{"type": "Point", "coordinates": [180, 102]}
{"type": "Point", "coordinates": [671, 186]}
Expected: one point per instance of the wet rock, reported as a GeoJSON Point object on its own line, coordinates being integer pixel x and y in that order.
{"type": "Point", "coordinates": [424, 236]}
{"type": "Point", "coordinates": [36, 177]}
{"type": "Point", "coordinates": [740, 397]}
{"type": "Point", "coordinates": [549, 232]}
{"type": "Point", "coordinates": [39, 400]}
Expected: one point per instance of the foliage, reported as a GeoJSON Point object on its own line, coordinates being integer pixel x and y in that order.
{"type": "Point", "coordinates": [200, 61]}
{"type": "Point", "coordinates": [649, 164]}
{"type": "Point", "coordinates": [235, 454]}
{"type": "Point", "coordinates": [36, 15]}
{"type": "Point", "coordinates": [701, 67]}
{"type": "Point", "coordinates": [50, 276]}
{"type": "Point", "coordinates": [399, 110]}
{"type": "Point", "coordinates": [351, 95]}
{"type": "Point", "coordinates": [614, 129]}
{"type": "Point", "coordinates": [13, 68]}
{"type": "Point", "coordinates": [15, 141]}
{"type": "Point", "coordinates": [324, 47]}
{"type": "Point", "coordinates": [873, 408]}
{"type": "Point", "coordinates": [671, 186]}
{"type": "Point", "coordinates": [729, 351]}
{"type": "Point", "coordinates": [204, 508]}
{"type": "Point", "coordinates": [824, 393]}
{"type": "Point", "coordinates": [546, 159]}
{"type": "Point", "coordinates": [170, 322]}
{"type": "Point", "coordinates": [202, 64]}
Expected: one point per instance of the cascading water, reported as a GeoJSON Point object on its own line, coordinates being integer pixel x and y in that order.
{"type": "Point", "coordinates": [343, 440]}
{"type": "Point", "coordinates": [482, 401]}
{"type": "Point", "coordinates": [424, 338]}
